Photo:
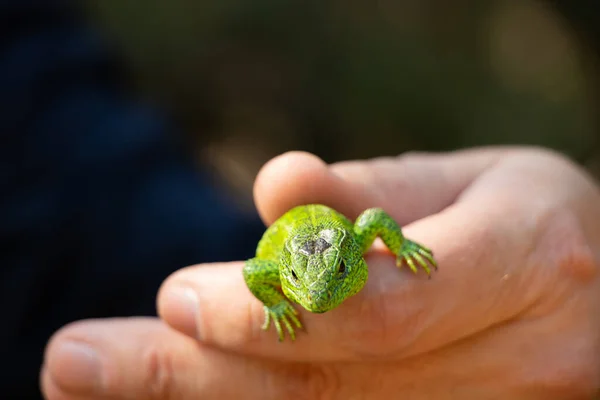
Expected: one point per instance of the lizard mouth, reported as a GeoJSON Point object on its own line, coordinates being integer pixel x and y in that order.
{"type": "Point", "coordinates": [319, 302]}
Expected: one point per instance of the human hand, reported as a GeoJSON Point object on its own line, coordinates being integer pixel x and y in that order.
{"type": "Point", "coordinates": [512, 313]}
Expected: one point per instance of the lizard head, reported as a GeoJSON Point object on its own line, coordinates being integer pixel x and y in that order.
{"type": "Point", "coordinates": [322, 268]}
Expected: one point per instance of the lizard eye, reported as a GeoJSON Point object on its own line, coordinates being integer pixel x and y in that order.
{"type": "Point", "coordinates": [342, 268]}
{"type": "Point", "coordinates": [294, 275]}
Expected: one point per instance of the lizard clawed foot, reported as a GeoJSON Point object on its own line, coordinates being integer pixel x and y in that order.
{"type": "Point", "coordinates": [285, 313]}
{"type": "Point", "coordinates": [416, 255]}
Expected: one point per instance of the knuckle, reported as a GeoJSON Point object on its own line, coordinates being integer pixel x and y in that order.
{"type": "Point", "coordinates": [542, 153]}
{"type": "Point", "coordinates": [158, 373]}
{"type": "Point", "coordinates": [246, 331]}
{"type": "Point", "coordinates": [374, 329]}
{"type": "Point", "coordinates": [578, 262]}
{"type": "Point", "coordinates": [383, 316]}
{"type": "Point", "coordinates": [563, 243]}
{"type": "Point", "coordinates": [409, 319]}
{"type": "Point", "coordinates": [311, 382]}
{"type": "Point", "coordinates": [579, 379]}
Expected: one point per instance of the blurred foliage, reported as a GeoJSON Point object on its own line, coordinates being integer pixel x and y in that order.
{"type": "Point", "coordinates": [249, 79]}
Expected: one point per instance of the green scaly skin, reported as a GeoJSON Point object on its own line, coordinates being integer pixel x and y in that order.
{"type": "Point", "coordinates": [313, 256]}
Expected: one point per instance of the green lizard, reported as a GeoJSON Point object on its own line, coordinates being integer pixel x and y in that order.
{"type": "Point", "coordinates": [313, 255]}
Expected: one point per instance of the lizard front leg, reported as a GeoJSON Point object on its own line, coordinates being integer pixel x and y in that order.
{"type": "Point", "coordinates": [262, 278]}
{"type": "Point", "coordinates": [375, 222]}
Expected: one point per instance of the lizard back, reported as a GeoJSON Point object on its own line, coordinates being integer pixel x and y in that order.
{"type": "Point", "coordinates": [305, 219]}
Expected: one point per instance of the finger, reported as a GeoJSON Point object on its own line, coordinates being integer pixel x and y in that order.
{"type": "Point", "coordinates": [410, 186]}
{"type": "Point", "coordinates": [142, 358]}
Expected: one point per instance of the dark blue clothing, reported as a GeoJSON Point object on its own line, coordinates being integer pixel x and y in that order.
{"type": "Point", "coordinates": [99, 201]}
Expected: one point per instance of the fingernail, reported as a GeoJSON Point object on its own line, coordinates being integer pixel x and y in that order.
{"type": "Point", "coordinates": [75, 367]}
{"type": "Point", "coordinates": [180, 309]}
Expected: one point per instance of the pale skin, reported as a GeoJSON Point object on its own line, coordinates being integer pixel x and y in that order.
{"type": "Point", "coordinates": [512, 313]}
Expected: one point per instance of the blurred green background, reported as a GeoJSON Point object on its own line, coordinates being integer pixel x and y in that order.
{"type": "Point", "coordinates": [249, 79]}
